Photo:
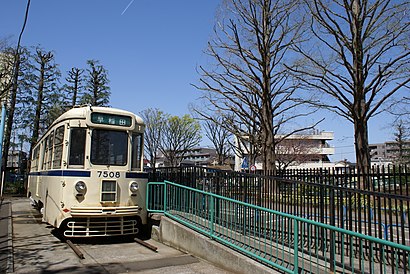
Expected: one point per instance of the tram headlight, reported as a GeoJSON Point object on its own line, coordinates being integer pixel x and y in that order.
{"type": "Point", "coordinates": [80, 187]}
{"type": "Point", "coordinates": [134, 187]}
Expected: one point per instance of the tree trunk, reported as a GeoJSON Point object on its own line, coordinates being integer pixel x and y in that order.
{"type": "Point", "coordinates": [359, 105]}
{"type": "Point", "coordinates": [267, 109]}
{"type": "Point", "coordinates": [362, 152]}
{"type": "Point", "coordinates": [10, 115]}
{"type": "Point", "coordinates": [268, 145]}
{"type": "Point", "coordinates": [153, 160]}
{"type": "Point", "coordinates": [75, 91]}
{"type": "Point", "coordinates": [268, 154]}
{"type": "Point", "coordinates": [36, 127]}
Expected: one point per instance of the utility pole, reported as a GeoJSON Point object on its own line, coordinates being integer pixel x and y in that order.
{"type": "Point", "coordinates": [2, 123]}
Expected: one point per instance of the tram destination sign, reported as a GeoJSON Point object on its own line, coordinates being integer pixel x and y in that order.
{"type": "Point", "coordinates": [111, 119]}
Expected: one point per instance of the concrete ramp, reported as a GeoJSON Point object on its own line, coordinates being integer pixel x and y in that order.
{"type": "Point", "coordinates": [185, 239]}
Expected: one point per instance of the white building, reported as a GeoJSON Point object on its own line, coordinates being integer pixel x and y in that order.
{"type": "Point", "coordinates": [200, 156]}
{"type": "Point", "coordinates": [308, 150]}
{"type": "Point", "coordinates": [389, 152]}
{"type": "Point", "coordinates": [16, 159]}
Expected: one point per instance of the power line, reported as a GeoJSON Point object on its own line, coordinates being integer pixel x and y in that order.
{"type": "Point", "coordinates": [344, 146]}
{"type": "Point", "coordinates": [3, 105]}
{"type": "Point", "coordinates": [24, 25]}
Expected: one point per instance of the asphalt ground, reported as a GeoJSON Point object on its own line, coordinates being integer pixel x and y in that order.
{"type": "Point", "coordinates": [37, 248]}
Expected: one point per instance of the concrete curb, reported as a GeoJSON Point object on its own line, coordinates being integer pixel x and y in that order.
{"type": "Point", "coordinates": [178, 236]}
{"type": "Point", "coordinates": [10, 257]}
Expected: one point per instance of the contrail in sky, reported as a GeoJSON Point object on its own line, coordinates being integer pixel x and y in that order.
{"type": "Point", "coordinates": [127, 7]}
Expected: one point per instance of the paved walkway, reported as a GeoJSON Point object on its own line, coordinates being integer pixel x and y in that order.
{"type": "Point", "coordinates": [37, 250]}
{"type": "Point", "coordinates": [5, 237]}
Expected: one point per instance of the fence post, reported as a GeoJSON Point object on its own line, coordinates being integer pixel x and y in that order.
{"type": "Point", "coordinates": [296, 246]}
{"type": "Point", "coordinates": [180, 175]}
{"type": "Point", "coordinates": [322, 218]}
{"type": "Point", "coordinates": [260, 189]}
{"type": "Point", "coordinates": [218, 192]}
{"type": "Point", "coordinates": [165, 196]}
{"type": "Point", "coordinates": [212, 211]}
{"type": "Point", "coordinates": [332, 233]}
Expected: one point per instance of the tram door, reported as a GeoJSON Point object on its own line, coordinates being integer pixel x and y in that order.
{"type": "Point", "coordinates": [75, 151]}
{"type": "Point", "coordinates": [36, 166]}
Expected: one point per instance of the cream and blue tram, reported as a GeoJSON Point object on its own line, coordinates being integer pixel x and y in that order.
{"type": "Point", "coordinates": [86, 173]}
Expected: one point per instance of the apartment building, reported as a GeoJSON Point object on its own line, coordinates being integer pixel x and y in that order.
{"type": "Point", "coordinates": [389, 152]}
{"type": "Point", "coordinates": [200, 156]}
{"type": "Point", "coordinates": [308, 150]}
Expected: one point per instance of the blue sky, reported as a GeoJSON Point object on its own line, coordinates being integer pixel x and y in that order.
{"type": "Point", "coordinates": [151, 51]}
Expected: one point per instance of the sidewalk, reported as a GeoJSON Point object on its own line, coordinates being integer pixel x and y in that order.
{"type": "Point", "coordinates": [6, 254]}
{"type": "Point", "coordinates": [35, 249]}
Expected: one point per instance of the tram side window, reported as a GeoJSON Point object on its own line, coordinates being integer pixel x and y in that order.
{"type": "Point", "coordinates": [58, 147]}
{"type": "Point", "coordinates": [45, 153]}
{"type": "Point", "coordinates": [43, 145]}
{"type": "Point", "coordinates": [50, 147]}
{"type": "Point", "coordinates": [35, 158]}
{"type": "Point", "coordinates": [43, 164]}
{"type": "Point", "coordinates": [77, 147]}
{"type": "Point", "coordinates": [136, 151]}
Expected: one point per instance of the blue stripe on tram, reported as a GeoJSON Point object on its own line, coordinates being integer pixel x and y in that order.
{"type": "Point", "coordinates": [67, 173]}
{"type": "Point", "coordinates": [136, 175]}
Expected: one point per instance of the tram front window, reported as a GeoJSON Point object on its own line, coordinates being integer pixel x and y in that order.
{"type": "Point", "coordinates": [109, 147]}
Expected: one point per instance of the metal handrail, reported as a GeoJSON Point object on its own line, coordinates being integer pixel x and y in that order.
{"type": "Point", "coordinates": [199, 210]}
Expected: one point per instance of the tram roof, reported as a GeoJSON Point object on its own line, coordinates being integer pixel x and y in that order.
{"type": "Point", "coordinates": [83, 112]}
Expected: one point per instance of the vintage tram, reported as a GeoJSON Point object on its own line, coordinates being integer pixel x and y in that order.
{"type": "Point", "coordinates": [86, 174]}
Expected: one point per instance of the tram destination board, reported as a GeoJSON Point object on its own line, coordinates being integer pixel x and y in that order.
{"type": "Point", "coordinates": [111, 119]}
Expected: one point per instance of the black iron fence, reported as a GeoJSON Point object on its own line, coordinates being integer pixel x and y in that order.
{"type": "Point", "coordinates": [14, 184]}
{"type": "Point", "coordinates": [376, 204]}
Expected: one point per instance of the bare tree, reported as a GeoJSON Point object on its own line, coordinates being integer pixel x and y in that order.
{"type": "Point", "coordinates": [247, 145]}
{"type": "Point", "coordinates": [401, 137]}
{"type": "Point", "coordinates": [155, 121]}
{"type": "Point", "coordinates": [219, 136]}
{"type": "Point", "coordinates": [248, 85]}
{"type": "Point", "coordinates": [358, 57]}
{"type": "Point", "coordinates": [180, 134]}
{"type": "Point", "coordinates": [295, 151]}
{"type": "Point", "coordinates": [400, 108]}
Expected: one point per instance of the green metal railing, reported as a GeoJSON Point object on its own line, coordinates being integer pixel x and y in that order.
{"type": "Point", "coordinates": [282, 241]}
{"type": "Point", "coordinates": [329, 196]}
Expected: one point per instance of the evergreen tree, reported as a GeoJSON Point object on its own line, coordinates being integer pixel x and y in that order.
{"type": "Point", "coordinates": [74, 87]}
{"type": "Point", "coordinates": [96, 85]}
{"type": "Point", "coordinates": [39, 101]}
{"type": "Point", "coordinates": [14, 82]}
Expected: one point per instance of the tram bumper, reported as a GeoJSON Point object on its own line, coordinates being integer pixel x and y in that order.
{"type": "Point", "coordinates": [103, 221]}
